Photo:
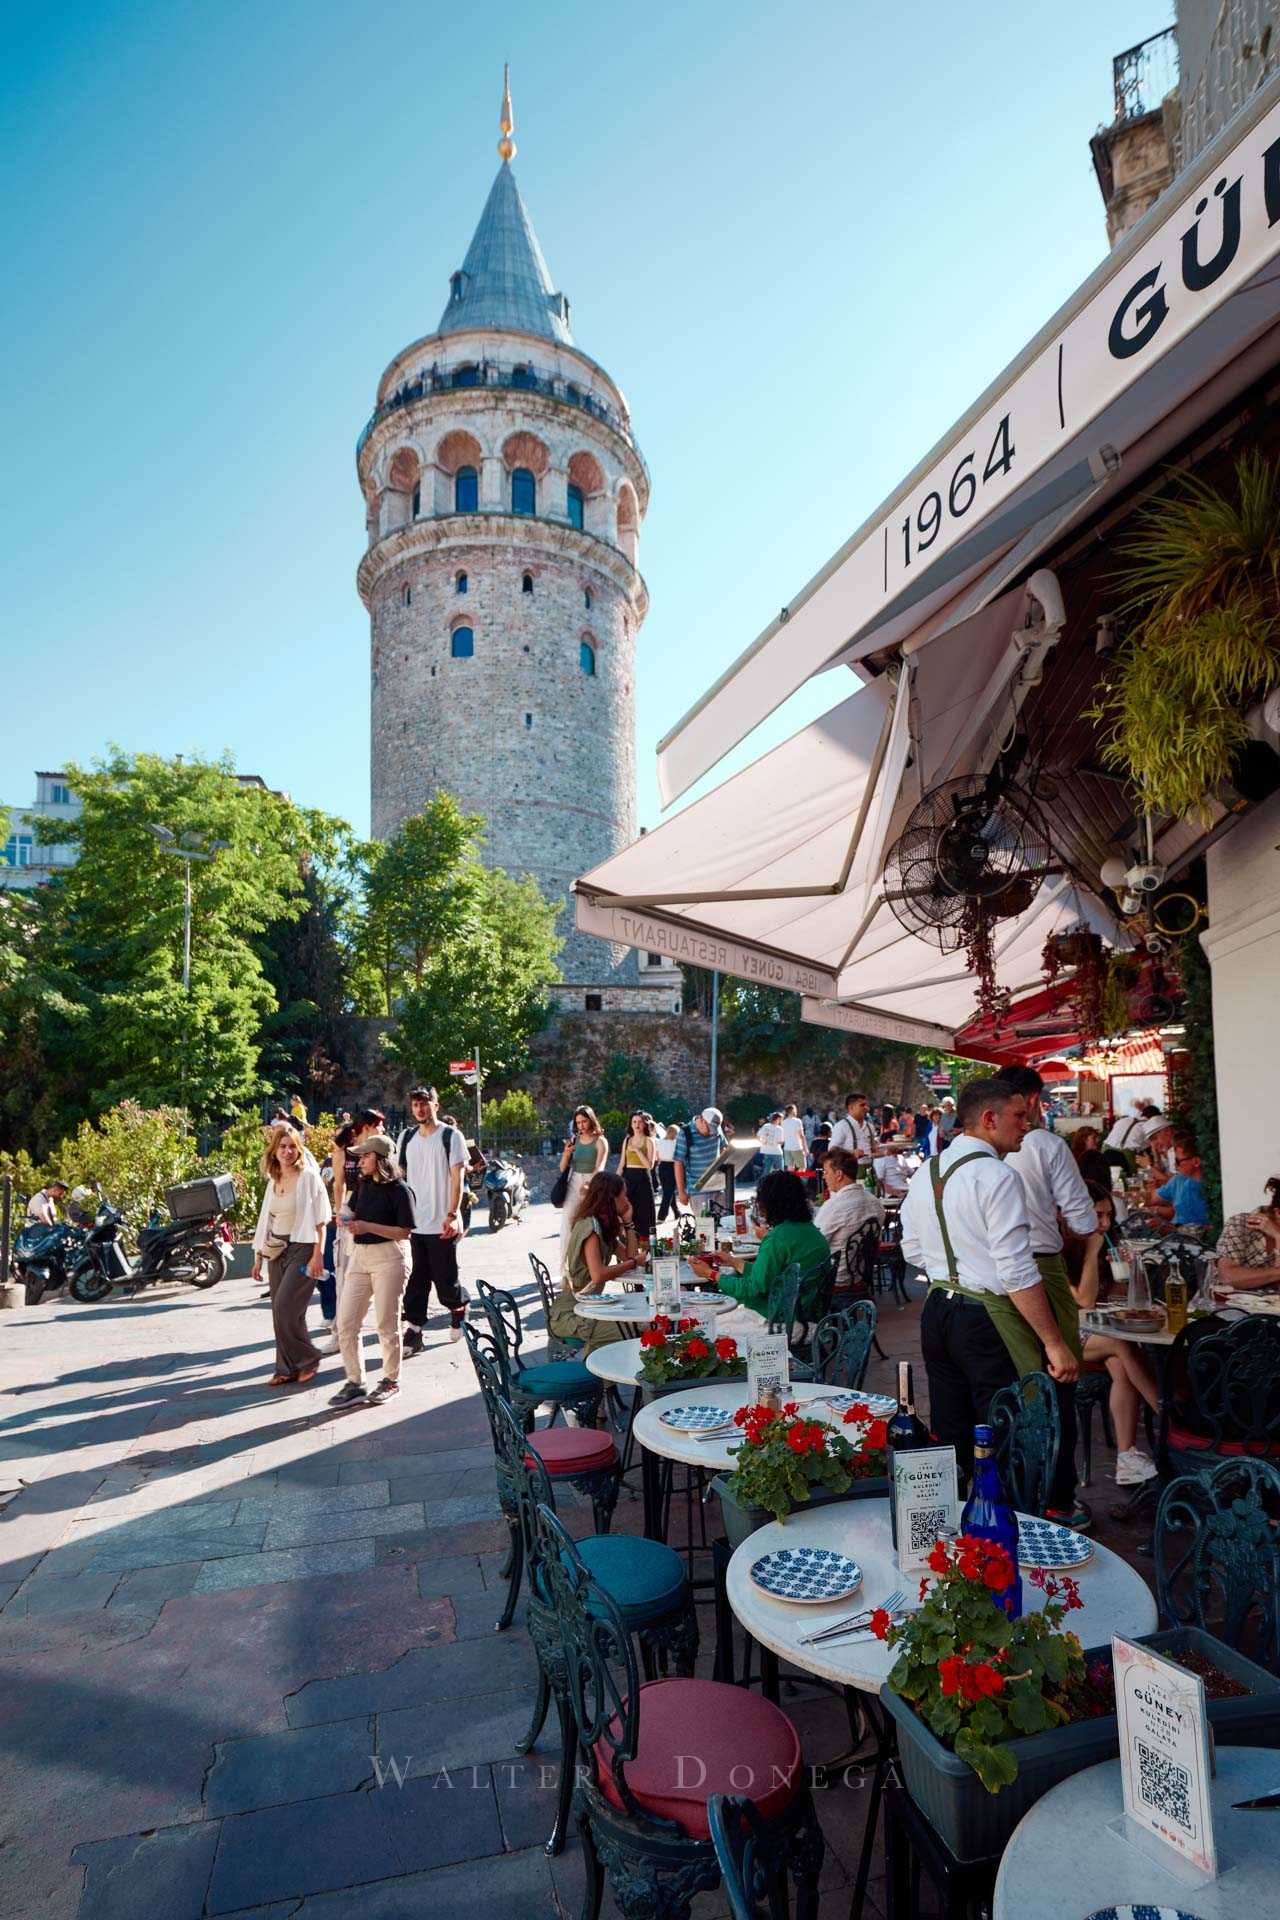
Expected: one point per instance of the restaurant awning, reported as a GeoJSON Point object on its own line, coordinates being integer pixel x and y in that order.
{"type": "Point", "coordinates": [1166, 322]}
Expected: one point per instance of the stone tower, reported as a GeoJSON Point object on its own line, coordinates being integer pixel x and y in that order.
{"type": "Point", "coordinates": [504, 493]}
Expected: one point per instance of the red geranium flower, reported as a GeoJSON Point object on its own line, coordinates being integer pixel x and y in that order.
{"type": "Point", "coordinates": [859, 1412]}
{"type": "Point", "coordinates": [653, 1337]}
{"type": "Point", "coordinates": [879, 1623]}
{"type": "Point", "coordinates": [687, 1325]}
{"type": "Point", "coordinates": [661, 1322]}
{"type": "Point", "coordinates": [726, 1348]}
{"type": "Point", "coordinates": [798, 1439]}
{"type": "Point", "coordinates": [939, 1559]}
{"type": "Point", "coordinates": [949, 1672]}
{"type": "Point", "coordinates": [877, 1434]}
{"type": "Point", "coordinates": [697, 1348]}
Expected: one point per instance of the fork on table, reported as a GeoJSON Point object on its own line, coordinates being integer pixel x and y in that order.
{"type": "Point", "coordinates": [854, 1621]}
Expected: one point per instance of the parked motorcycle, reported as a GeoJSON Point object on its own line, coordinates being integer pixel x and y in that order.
{"type": "Point", "coordinates": [42, 1257]}
{"type": "Point", "coordinates": [506, 1190]}
{"type": "Point", "coordinates": [196, 1250]}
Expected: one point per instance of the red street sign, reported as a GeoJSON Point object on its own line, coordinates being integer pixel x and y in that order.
{"type": "Point", "coordinates": [462, 1066]}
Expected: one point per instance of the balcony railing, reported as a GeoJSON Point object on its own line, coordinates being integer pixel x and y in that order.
{"type": "Point", "coordinates": [1144, 74]}
{"type": "Point", "coordinates": [485, 373]}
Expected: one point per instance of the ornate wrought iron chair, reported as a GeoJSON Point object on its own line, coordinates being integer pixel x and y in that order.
{"type": "Point", "coordinates": [563, 1384]}
{"type": "Point", "coordinates": [559, 1347]}
{"type": "Point", "coordinates": [1231, 1403]}
{"type": "Point", "coordinates": [737, 1836]}
{"type": "Point", "coordinates": [641, 1801]}
{"type": "Point", "coordinates": [1217, 1554]}
{"type": "Point", "coordinates": [841, 1345]}
{"type": "Point", "coordinates": [798, 1300]}
{"type": "Point", "coordinates": [584, 1456]}
{"type": "Point", "coordinates": [1093, 1391]}
{"type": "Point", "coordinates": [645, 1579]}
{"type": "Point", "coordinates": [1028, 1434]}
{"type": "Point", "coordinates": [891, 1266]}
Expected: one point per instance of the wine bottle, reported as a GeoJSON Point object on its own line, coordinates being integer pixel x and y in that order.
{"type": "Point", "coordinates": [988, 1516]}
{"type": "Point", "coordinates": [907, 1434]}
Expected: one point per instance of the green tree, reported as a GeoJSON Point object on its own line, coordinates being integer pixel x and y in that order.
{"type": "Point", "coordinates": [421, 890]}
{"type": "Point", "coordinates": [113, 932]}
{"type": "Point", "coordinates": [485, 987]}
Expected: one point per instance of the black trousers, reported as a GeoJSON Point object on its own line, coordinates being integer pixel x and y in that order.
{"type": "Point", "coordinates": [435, 1263]}
{"type": "Point", "coordinates": [967, 1362]}
{"type": "Point", "coordinates": [639, 1185]}
{"type": "Point", "coordinates": [667, 1182]}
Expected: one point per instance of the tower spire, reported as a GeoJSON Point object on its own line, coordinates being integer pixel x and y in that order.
{"type": "Point", "coordinates": [506, 146]}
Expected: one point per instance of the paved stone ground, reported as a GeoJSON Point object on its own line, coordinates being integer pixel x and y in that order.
{"type": "Point", "coordinates": [226, 1611]}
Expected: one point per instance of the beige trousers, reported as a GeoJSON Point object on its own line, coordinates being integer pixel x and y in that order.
{"type": "Point", "coordinates": [377, 1272]}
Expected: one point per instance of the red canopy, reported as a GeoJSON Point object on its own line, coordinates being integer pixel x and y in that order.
{"type": "Point", "coordinates": [1038, 1023]}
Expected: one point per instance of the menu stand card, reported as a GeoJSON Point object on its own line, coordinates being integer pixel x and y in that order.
{"type": "Point", "coordinates": [768, 1366]}
{"type": "Point", "coordinates": [926, 1502]}
{"type": "Point", "coordinates": [1165, 1761]}
{"type": "Point", "coordinates": [666, 1284]}
{"type": "Point", "coordinates": [704, 1314]}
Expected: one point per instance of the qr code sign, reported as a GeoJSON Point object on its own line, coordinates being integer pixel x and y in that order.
{"type": "Point", "coordinates": [1164, 1786]}
{"type": "Point", "coordinates": [925, 1524]}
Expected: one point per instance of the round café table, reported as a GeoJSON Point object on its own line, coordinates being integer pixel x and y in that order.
{"type": "Point", "coordinates": [1116, 1600]}
{"type": "Point", "coordinates": [1064, 1861]}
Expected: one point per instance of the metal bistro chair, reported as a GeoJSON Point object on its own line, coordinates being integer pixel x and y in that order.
{"type": "Point", "coordinates": [841, 1347]}
{"type": "Point", "coordinates": [1093, 1393]}
{"type": "Point", "coordinates": [787, 1316]}
{"type": "Point", "coordinates": [1028, 1433]}
{"type": "Point", "coordinates": [643, 1817]}
{"type": "Point", "coordinates": [584, 1456]}
{"type": "Point", "coordinates": [645, 1579]}
{"type": "Point", "coordinates": [559, 1346]}
{"type": "Point", "coordinates": [1232, 1397]}
{"type": "Point", "coordinates": [563, 1384]}
{"type": "Point", "coordinates": [1217, 1554]}
{"type": "Point", "coordinates": [737, 1836]}
{"type": "Point", "coordinates": [891, 1265]}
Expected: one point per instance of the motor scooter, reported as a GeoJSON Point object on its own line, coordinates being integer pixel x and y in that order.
{"type": "Point", "coordinates": [198, 1251]}
{"type": "Point", "coordinates": [507, 1191]}
{"type": "Point", "coordinates": [42, 1256]}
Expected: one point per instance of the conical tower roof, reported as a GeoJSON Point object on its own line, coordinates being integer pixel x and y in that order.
{"type": "Point", "coordinates": [504, 280]}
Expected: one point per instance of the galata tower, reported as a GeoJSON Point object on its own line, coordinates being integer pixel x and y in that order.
{"type": "Point", "coordinates": [504, 493]}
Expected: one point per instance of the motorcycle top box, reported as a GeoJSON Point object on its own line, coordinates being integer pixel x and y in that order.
{"type": "Point", "coordinates": [196, 1199]}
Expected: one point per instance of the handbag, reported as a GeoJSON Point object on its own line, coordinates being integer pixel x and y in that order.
{"type": "Point", "coordinates": [560, 1189]}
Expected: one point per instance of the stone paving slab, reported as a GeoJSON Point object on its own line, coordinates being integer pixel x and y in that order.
{"type": "Point", "coordinates": [346, 1524]}
{"type": "Point", "coordinates": [303, 1763]}
{"type": "Point", "coordinates": [287, 1503]}
{"type": "Point", "coordinates": [512, 1886]}
{"type": "Point", "coordinates": [288, 1563]}
{"type": "Point", "coordinates": [432, 1739]}
{"type": "Point", "coordinates": [164, 1873]}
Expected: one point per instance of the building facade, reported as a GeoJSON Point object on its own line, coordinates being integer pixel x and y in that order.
{"type": "Point", "coordinates": [26, 862]}
{"type": "Point", "coordinates": [504, 494]}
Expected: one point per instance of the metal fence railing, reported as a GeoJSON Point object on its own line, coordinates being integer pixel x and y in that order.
{"type": "Point", "coordinates": [1144, 74]}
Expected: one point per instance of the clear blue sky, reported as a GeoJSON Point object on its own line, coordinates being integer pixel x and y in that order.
{"type": "Point", "coordinates": [801, 237]}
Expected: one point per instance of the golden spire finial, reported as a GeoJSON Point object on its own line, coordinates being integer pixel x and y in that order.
{"type": "Point", "coordinates": [506, 146]}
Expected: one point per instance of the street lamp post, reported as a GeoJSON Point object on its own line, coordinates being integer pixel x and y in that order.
{"type": "Point", "coordinates": [186, 847]}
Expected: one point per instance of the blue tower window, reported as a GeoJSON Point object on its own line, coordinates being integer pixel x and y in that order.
{"type": "Point", "coordinates": [576, 506]}
{"type": "Point", "coordinates": [587, 658]}
{"type": "Point", "coordinates": [586, 598]}
{"type": "Point", "coordinates": [524, 491]}
{"type": "Point", "coordinates": [462, 643]}
{"type": "Point", "coordinates": [466, 490]}
{"type": "Point", "coordinates": [468, 376]}
{"type": "Point", "coordinates": [460, 583]}
{"type": "Point", "coordinates": [523, 377]}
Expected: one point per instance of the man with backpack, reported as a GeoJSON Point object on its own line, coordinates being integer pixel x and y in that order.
{"type": "Point", "coordinates": [432, 1160]}
{"type": "Point", "coordinates": [701, 1141]}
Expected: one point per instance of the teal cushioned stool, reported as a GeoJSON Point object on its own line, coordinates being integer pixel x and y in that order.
{"type": "Point", "coordinates": [643, 1577]}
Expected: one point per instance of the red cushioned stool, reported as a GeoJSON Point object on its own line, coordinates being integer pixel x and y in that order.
{"type": "Point", "coordinates": [565, 1450]}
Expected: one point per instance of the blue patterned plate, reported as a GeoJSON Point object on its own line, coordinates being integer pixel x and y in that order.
{"type": "Point", "coordinates": [811, 1576]}
{"type": "Point", "coordinates": [698, 1418]}
{"type": "Point", "coordinates": [1043, 1543]}
{"type": "Point", "coordinates": [880, 1405]}
{"type": "Point", "coordinates": [1142, 1913]}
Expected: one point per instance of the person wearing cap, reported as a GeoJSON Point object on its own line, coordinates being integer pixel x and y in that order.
{"type": "Point", "coordinates": [382, 1215]}
{"type": "Point", "coordinates": [1056, 1196]}
{"type": "Point", "coordinates": [988, 1317]}
{"type": "Point", "coordinates": [343, 1158]}
{"type": "Point", "coordinates": [433, 1156]}
{"type": "Point", "coordinates": [701, 1141]}
{"type": "Point", "coordinates": [289, 1237]}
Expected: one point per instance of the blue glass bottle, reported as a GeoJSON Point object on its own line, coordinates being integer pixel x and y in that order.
{"type": "Point", "coordinates": [988, 1516]}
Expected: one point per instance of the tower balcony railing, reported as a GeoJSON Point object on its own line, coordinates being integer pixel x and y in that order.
{"type": "Point", "coordinates": [487, 373]}
{"type": "Point", "coordinates": [1143, 75]}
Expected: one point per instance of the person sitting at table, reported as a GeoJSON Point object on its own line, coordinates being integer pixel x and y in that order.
{"type": "Point", "coordinates": [890, 1172]}
{"type": "Point", "coordinates": [1249, 1245]}
{"type": "Point", "coordinates": [1181, 1199]}
{"type": "Point", "coordinates": [601, 1246]}
{"type": "Point", "coordinates": [790, 1236]}
{"type": "Point", "coordinates": [847, 1207]}
{"type": "Point", "coordinates": [1086, 1146]}
{"type": "Point", "coordinates": [1132, 1380]}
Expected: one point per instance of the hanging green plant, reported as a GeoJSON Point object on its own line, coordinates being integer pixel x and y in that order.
{"type": "Point", "coordinates": [1202, 579]}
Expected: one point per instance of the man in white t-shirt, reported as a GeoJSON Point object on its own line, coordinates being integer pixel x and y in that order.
{"type": "Point", "coordinates": [795, 1152]}
{"type": "Point", "coordinates": [770, 1141]}
{"type": "Point", "coordinates": [432, 1160]}
{"type": "Point", "coordinates": [893, 1176]}
{"type": "Point", "coordinates": [1128, 1129]}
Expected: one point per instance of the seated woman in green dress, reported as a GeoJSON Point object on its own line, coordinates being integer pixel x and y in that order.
{"type": "Point", "coordinates": [792, 1237]}
{"type": "Point", "coordinates": [601, 1246]}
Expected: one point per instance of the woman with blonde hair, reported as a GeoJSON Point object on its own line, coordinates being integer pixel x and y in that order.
{"type": "Point", "coordinates": [289, 1236]}
{"type": "Point", "coordinates": [585, 1153]}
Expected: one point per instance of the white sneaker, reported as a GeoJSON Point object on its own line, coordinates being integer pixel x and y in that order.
{"type": "Point", "coordinates": [331, 1343]}
{"type": "Point", "coordinates": [455, 1333]}
{"type": "Point", "coordinates": [1133, 1467]}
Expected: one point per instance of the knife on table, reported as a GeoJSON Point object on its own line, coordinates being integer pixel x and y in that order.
{"type": "Point", "coordinates": [1263, 1804]}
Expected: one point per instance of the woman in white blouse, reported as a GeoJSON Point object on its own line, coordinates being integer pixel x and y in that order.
{"type": "Point", "coordinates": [289, 1236]}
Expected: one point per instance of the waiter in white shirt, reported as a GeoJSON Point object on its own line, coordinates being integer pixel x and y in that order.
{"type": "Point", "coordinates": [1126, 1134]}
{"type": "Point", "coordinates": [855, 1132]}
{"type": "Point", "coordinates": [988, 1317]}
{"type": "Point", "coordinates": [1056, 1196]}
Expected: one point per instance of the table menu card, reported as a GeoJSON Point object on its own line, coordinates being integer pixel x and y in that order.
{"type": "Point", "coordinates": [666, 1284]}
{"type": "Point", "coordinates": [768, 1366]}
{"type": "Point", "coordinates": [926, 1502]}
{"type": "Point", "coordinates": [1165, 1762]}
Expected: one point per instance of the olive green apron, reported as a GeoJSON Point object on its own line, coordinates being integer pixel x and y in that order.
{"type": "Point", "coordinates": [1019, 1337]}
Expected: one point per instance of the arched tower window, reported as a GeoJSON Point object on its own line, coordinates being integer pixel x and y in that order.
{"type": "Point", "coordinates": [462, 643]}
{"type": "Point", "coordinates": [586, 598]}
{"type": "Point", "coordinates": [587, 658]}
{"type": "Point", "coordinates": [406, 596]}
{"type": "Point", "coordinates": [526, 583]}
{"type": "Point", "coordinates": [523, 377]}
{"type": "Point", "coordinates": [417, 501]}
{"type": "Point", "coordinates": [577, 505]}
{"type": "Point", "coordinates": [466, 376]}
{"type": "Point", "coordinates": [628, 521]}
{"type": "Point", "coordinates": [524, 491]}
{"type": "Point", "coordinates": [459, 582]}
{"type": "Point", "coordinates": [466, 490]}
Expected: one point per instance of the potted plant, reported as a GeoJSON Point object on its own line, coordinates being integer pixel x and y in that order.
{"type": "Point", "coordinates": [992, 1712]}
{"type": "Point", "coordinates": [788, 1461]}
{"type": "Point", "coordinates": [669, 1355]}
